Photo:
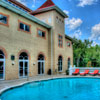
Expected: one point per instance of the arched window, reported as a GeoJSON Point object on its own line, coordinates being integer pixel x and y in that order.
{"type": "Point", "coordinates": [23, 56]}
{"type": "Point", "coordinates": [1, 55]}
{"type": "Point", "coordinates": [23, 64]}
{"type": "Point", "coordinates": [60, 63]}
{"type": "Point", "coordinates": [41, 64]}
{"type": "Point", "coordinates": [68, 63]}
{"type": "Point", "coordinates": [2, 65]}
{"type": "Point", "coordinates": [40, 57]}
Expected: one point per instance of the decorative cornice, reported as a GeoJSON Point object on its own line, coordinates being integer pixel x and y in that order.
{"type": "Point", "coordinates": [48, 9]}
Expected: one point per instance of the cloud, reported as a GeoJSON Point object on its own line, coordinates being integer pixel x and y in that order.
{"type": "Point", "coordinates": [94, 43]}
{"type": "Point", "coordinates": [34, 2]}
{"type": "Point", "coordinates": [95, 32]}
{"type": "Point", "coordinates": [83, 3]}
{"type": "Point", "coordinates": [66, 12]}
{"type": "Point", "coordinates": [77, 34]}
{"type": "Point", "coordinates": [22, 2]}
{"type": "Point", "coordinates": [73, 23]}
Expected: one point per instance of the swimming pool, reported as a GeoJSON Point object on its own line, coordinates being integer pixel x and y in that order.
{"type": "Point", "coordinates": [56, 89]}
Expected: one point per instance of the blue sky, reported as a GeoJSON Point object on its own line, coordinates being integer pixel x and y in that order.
{"type": "Point", "coordinates": [84, 17]}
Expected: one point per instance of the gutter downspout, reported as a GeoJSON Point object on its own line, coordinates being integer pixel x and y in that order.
{"type": "Point", "coordinates": [51, 51]}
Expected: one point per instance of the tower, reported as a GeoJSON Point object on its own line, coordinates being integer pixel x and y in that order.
{"type": "Point", "coordinates": [54, 16]}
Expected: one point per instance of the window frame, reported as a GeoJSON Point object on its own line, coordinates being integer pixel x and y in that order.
{"type": "Point", "coordinates": [67, 44]}
{"type": "Point", "coordinates": [24, 24]}
{"type": "Point", "coordinates": [60, 40]}
{"type": "Point", "coordinates": [7, 19]}
{"type": "Point", "coordinates": [60, 63]}
{"type": "Point", "coordinates": [69, 59]}
{"type": "Point", "coordinates": [42, 31]}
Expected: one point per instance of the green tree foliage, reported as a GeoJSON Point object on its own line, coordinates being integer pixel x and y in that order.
{"type": "Point", "coordinates": [86, 55]}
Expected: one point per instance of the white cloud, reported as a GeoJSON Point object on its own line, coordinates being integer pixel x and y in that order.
{"type": "Point", "coordinates": [66, 12]}
{"type": "Point", "coordinates": [34, 2]}
{"type": "Point", "coordinates": [94, 43]}
{"type": "Point", "coordinates": [23, 2]}
{"type": "Point", "coordinates": [95, 32]}
{"type": "Point", "coordinates": [99, 38]}
{"type": "Point", "coordinates": [83, 3]}
{"type": "Point", "coordinates": [73, 23]}
{"type": "Point", "coordinates": [77, 34]}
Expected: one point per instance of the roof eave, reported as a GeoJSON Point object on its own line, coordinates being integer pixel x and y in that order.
{"type": "Point", "coordinates": [69, 38]}
{"type": "Point", "coordinates": [48, 9]}
{"type": "Point", "coordinates": [61, 12]}
{"type": "Point", "coordinates": [22, 13]}
{"type": "Point", "coordinates": [20, 5]}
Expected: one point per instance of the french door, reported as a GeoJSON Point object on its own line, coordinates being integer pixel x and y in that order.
{"type": "Point", "coordinates": [41, 65]}
{"type": "Point", "coordinates": [2, 65]}
{"type": "Point", "coordinates": [2, 69]}
{"type": "Point", "coordinates": [23, 68]}
{"type": "Point", "coordinates": [23, 65]}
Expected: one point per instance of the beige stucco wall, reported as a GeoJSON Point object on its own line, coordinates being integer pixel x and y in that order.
{"type": "Point", "coordinates": [13, 41]}
{"type": "Point", "coordinates": [58, 28]}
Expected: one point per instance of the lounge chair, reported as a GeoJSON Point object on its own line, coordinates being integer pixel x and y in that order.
{"type": "Point", "coordinates": [98, 73]}
{"type": "Point", "coordinates": [76, 72]}
{"type": "Point", "coordinates": [85, 72]}
{"type": "Point", "coordinates": [95, 72]}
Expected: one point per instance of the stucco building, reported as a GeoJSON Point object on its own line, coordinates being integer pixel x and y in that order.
{"type": "Point", "coordinates": [32, 42]}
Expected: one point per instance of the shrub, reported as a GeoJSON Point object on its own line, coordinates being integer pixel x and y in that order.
{"type": "Point", "coordinates": [67, 72]}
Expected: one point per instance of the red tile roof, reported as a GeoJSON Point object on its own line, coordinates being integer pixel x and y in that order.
{"type": "Point", "coordinates": [48, 6]}
{"type": "Point", "coordinates": [48, 3]}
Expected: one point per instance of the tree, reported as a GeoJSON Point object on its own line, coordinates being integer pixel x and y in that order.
{"type": "Point", "coordinates": [84, 53]}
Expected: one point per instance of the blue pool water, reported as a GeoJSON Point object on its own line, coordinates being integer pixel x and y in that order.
{"type": "Point", "coordinates": [58, 89]}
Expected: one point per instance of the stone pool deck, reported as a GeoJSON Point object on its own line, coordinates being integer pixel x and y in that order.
{"type": "Point", "coordinates": [6, 84]}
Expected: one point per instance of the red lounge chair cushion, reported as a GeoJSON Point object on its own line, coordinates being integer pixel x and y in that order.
{"type": "Point", "coordinates": [84, 73]}
{"type": "Point", "coordinates": [95, 72]}
{"type": "Point", "coordinates": [76, 71]}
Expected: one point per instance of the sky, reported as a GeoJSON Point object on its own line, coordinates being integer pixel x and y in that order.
{"type": "Point", "coordinates": [84, 17]}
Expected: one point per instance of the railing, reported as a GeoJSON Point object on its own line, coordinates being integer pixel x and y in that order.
{"type": "Point", "coordinates": [82, 69]}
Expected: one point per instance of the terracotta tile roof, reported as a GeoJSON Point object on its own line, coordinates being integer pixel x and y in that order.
{"type": "Point", "coordinates": [48, 6]}
{"type": "Point", "coordinates": [20, 5]}
{"type": "Point", "coordinates": [48, 3]}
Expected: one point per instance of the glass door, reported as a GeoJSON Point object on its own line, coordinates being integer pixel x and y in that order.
{"type": "Point", "coordinates": [23, 64]}
{"type": "Point", "coordinates": [23, 68]}
{"type": "Point", "coordinates": [26, 68]}
{"type": "Point", "coordinates": [40, 67]}
{"type": "Point", "coordinates": [1, 70]}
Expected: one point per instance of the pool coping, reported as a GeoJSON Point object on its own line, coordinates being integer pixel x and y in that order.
{"type": "Point", "coordinates": [46, 79]}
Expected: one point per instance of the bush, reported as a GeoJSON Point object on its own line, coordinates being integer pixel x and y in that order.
{"type": "Point", "coordinates": [67, 72]}
{"type": "Point", "coordinates": [49, 72]}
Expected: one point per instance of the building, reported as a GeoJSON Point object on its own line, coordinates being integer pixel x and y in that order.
{"type": "Point", "coordinates": [32, 42]}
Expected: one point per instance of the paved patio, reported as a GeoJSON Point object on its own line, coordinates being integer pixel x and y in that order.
{"type": "Point", "coordinates": [6, 84]}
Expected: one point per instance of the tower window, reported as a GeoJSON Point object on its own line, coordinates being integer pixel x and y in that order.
{"type": "Point", "coordinates": [60, 40]}
{"type": "Point", "coordinates": [68, 44]}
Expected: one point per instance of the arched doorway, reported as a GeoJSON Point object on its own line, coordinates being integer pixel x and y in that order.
{"type": "Point", "coordinates": [68, 63]}
{"type": "Point", "coordinates": [60, 63]}
{"type": "Point", "coordinates": [23, 64]}
{"type": "Point", "coordinates": [2, 65]}
{"type": "Point", "coordinates": [41, 64]}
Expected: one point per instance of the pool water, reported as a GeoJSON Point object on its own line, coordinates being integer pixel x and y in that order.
{"type": "Point", "coordinates": [57, 89]}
